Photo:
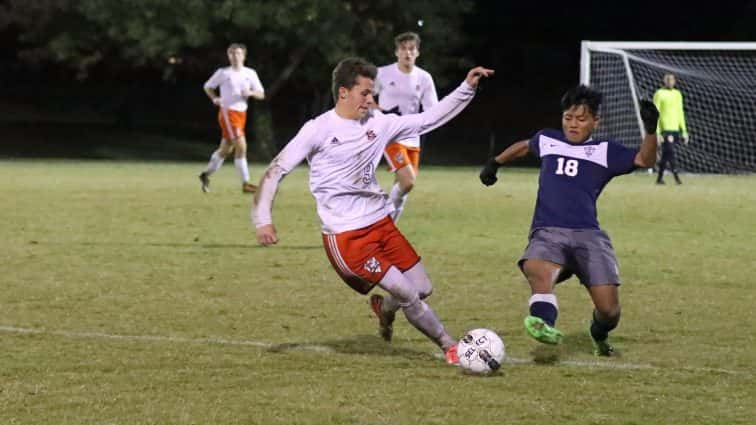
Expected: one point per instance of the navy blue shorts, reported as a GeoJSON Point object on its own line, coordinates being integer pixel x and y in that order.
{"type": "Point", "coordinates": [586, 253]}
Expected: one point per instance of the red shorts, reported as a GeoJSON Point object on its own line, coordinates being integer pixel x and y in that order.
{"type": "Point", "coordinates": [399, 156]}
{"type": "Point", "coordinates": [232, 123]}
{"type": "Point", "coordinates": [361, 257]}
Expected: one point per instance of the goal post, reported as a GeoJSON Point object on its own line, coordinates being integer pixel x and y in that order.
{"type": "Point", "coordinates": [718, 83]}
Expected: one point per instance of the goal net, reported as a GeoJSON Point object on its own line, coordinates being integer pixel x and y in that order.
{"type": "Point", "coordinates": [718, 83]}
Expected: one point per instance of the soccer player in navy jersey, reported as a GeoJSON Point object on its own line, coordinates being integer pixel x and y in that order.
{"type": "Point", "coordinates": [565, 237]}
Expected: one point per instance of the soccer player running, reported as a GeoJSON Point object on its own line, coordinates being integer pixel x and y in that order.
{"type": "Point", "coordinates": [237, 83]}
{"type": "Point", "coordinates": [402, 88]}
{"type": "Point", "coordinates": [565, 237]}
{"type": "Point", "coordinates": [669, 102]}
{"type": "Point", "coordinates": [343, 147]}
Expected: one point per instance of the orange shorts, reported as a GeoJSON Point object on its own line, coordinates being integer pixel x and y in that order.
{"type": "Point", "coordinates": [361, 257]}
{"type": "Point", "coordinates": [399, 156]}
{"type": "Point", "coordinates": [232, 123]}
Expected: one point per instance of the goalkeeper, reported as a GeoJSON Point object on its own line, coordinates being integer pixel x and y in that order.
{"type": "Point", "coordinates": [671, 129]}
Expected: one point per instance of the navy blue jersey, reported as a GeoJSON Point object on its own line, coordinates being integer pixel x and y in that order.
{"type": "Point", "coordinates": [573, 176]}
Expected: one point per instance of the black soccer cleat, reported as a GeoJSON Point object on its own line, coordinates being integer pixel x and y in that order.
{"type": "Point", "coordinates": [205, 180]}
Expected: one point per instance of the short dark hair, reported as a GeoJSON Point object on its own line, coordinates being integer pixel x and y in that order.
{"type": "Point", "coordinates": [346, 72]}
{"type": "Point", "coordinates": [237, 46]}
{"type": "Point", "coordinates": [407, 36]}
{"type": "Point", "coordinates": [582, 95]}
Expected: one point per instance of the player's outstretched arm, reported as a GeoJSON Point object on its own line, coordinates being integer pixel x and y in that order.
{"type": "Point", "coordinates": [516, 150]}
{"type": "Point", "coordinates": [646, 156]}
{"type": "Point", "coordinates": [449, 107]}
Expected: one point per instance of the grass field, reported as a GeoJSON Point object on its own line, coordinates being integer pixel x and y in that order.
{"type": "Point", "coordinates": [129, 297]}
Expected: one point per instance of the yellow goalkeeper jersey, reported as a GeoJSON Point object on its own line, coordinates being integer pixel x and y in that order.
{"type": "Point", "coordinates": [669, 102]}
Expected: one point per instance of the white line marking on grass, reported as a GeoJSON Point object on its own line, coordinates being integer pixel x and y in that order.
{"type": "Point", "coordinates": [161, 338]}
{"type": "Point", "coordinates": [609, 364]}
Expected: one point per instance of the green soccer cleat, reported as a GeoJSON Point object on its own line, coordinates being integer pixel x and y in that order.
{"type": "Point", "coordinates": [541, 331]}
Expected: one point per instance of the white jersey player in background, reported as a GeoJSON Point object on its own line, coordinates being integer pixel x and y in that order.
{"type": "Point", "coordinates": [402, 88]}
{"type": "Point", "coordinates": [343, 147]}
{"type": "Point", "coordinates": [236, 83]}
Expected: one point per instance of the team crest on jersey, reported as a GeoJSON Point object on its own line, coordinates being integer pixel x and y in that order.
{"type": "Point", "coordinates": [392, 83]}
{"type": "Point", "coordinates": [372, 265]}
{"type": "Point", "coordinates": [589, 150]}
{"type": "Point", "coordinates": [335, 141]}
{"type": "Point", "coordinates": [417, 87]}
{"type": "Point", "coordinates": [371, 135]}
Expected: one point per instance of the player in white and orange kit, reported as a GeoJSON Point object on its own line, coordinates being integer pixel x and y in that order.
{"type": "Point", "coordinates": [236, 83]}
{"type": "Point", "coordinates": [402, 88]}
{"type": "Point", "coordinates": [343, 147]}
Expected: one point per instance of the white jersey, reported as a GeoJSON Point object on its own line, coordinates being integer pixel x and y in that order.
{"type": "Point", "coordinates": [343, 155]}
{"type": "Point", "coordinates": [232, 82]}
{"type": "Point", "coordinates": [407, 91]}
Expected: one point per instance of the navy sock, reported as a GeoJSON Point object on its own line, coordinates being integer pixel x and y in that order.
{"type": "Point", "coordinates": [544, 310]}
{"type": "Point", "coordinates": [600, 328]}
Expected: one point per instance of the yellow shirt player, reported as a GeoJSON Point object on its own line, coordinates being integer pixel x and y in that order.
{"type": "Point", "coordinates": [671, 128]}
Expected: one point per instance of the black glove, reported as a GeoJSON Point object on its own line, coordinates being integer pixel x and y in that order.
{"type": "Point", "coordinates": [488, 173]}
{"type": "Point", "coordinates": [649, 116]}
{"type": "Point", "coordinates": [394, 110]}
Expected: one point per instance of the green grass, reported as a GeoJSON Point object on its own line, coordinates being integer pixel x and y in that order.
{"type": "Point", "coordinates": [129, 297]}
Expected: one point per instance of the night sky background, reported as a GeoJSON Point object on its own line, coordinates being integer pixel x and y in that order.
{"type": "Point", "coordinates": [534, 47]}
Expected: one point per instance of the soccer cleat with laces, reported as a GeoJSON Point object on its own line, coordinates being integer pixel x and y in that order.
{"type": "Point", "coordinates": [249, 188]}
{"type": "Point", "coordinates": [205, 179]}
{"type": "Point", "coordinates": [541, 331]}
{"type": "Point", "coordinates": [385, 320]}
{"type": "Point", "coordinates": [451, 355]}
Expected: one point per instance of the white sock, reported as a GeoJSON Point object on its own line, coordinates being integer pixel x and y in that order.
{"type": "Point", "coordinates": [398, 198]}
{"type": "Point", "coordinates": [242, 169]}
{"type": "Point", "coordinates": [215, 163]}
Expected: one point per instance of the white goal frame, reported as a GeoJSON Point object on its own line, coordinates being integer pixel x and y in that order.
{"type": "Point", "coordinates": [624, 50]}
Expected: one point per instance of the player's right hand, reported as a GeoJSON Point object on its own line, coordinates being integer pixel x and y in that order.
{"type": "Point", "coordinates": [649, 116]}
{"type": "Point", "coordinates": [266, 235]}
{"type": "Point", "coordinates": [488, 173]}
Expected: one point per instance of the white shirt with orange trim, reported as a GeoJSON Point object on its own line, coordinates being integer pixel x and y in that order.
{"type": "Point", "coordinates": [343, 155]}
{"type": "Point", "coordinates": [232, 83]}
{"type": "Point", "coordinates": [408, 91]}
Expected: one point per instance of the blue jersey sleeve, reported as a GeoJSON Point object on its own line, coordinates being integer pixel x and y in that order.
{"type": "Point", "coordinates": [533, 145]}
{"type": "Point", "coordinates": [620, 159]}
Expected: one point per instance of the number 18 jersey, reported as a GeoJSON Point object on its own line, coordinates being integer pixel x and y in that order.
{"type": "Point", "coordinates": [573, 176]}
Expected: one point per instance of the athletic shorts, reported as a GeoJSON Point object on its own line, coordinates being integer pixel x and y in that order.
{"type": "Point", "coordinates": [232, 123]}
{"type": "Point", "coordinates": [586, 253]}
{"type": "Point", "coordinates": [361, 257]}
{"type": "Point", "coordinates": [399, 156]}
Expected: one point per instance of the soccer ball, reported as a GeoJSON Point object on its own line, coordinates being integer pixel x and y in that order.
{"type": "Point", "coordinates": [480, 351]}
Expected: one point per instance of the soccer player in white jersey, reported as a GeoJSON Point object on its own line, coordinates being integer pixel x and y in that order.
{"type": "Point", "coordinates": [236, 83]}
{"type": "Point", "coordinates": [402, 88]}
{"type": "Point", "coordinates": [343, 147]}
{"type": "Point", "coordinates": [565, 237]}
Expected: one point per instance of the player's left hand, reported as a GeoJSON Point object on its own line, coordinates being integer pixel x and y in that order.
{"type": "Point", "coordinates": [686, 139]}
{"type": "Point", "coordinates": [475, 74]}
{"type": "Point", "coordinates": [488, 173]}
{"type": "Point", "coordinates": [649, 116]}
{"type": "Point", "coordinates": [266, 235]}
